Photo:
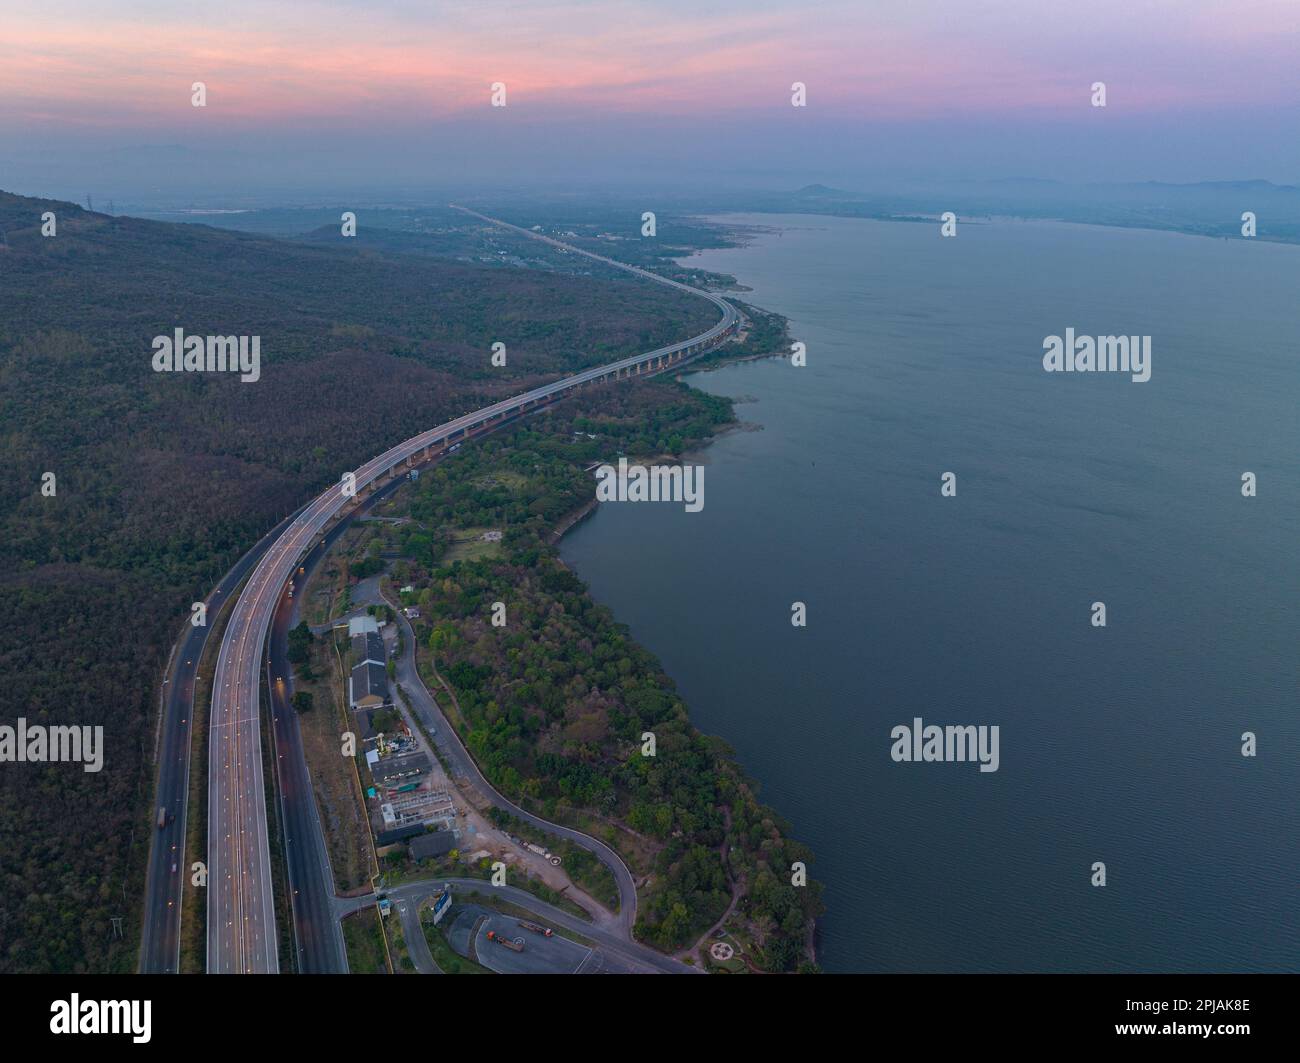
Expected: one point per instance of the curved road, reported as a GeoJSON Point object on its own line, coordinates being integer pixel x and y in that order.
{"type": "Point", "coordinates": [458, 759]}
{"type": "Point", "coordinates": [644, 957]}
{"type": "Point", "coordinates": [241, 915]}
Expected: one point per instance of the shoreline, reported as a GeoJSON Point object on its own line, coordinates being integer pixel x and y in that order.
{"type": "Point", "coordinates": [588, 509]}
{"type": "Point", "coordinates": [572, 519]}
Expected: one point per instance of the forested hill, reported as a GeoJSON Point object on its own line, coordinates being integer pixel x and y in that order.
{"type": "Point", "coordinates": [163, 479]}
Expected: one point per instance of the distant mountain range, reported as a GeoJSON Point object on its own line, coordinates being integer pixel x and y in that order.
{"type": "Point", "coordinates": [1205, 208]}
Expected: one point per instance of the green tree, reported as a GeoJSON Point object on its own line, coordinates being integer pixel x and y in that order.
{"type": "Point", "coordinates": [300, 640]}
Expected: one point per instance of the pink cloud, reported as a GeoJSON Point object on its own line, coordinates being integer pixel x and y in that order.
{"type": "Point", "coordinates": [77, 71]}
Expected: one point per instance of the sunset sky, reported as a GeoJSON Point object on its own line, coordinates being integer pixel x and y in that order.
{"type": "Point", "coordinates": [398, 90]}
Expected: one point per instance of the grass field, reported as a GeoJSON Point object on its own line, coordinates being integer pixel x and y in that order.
{"type": "Point", "coordinates": [365, 943]}
{"type": "Point", "coordinates": [467, 544]}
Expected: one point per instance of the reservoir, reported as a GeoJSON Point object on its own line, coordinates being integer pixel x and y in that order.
{"type": "Point", "coordinates": [1120, 744]}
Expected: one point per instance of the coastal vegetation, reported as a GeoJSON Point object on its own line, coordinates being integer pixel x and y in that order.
{"type": "Point", "coordinates": [555, 703]}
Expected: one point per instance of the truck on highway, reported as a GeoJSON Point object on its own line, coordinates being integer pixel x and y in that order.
{"type": "Point", "coordinates": [536, 928]}
{"type": "Point", "coordinates": [517, 945]}
{"type": "Point", "coordinates": [162, 818]}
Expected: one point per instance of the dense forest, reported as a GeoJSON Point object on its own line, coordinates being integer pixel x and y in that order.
{"type": "Point", "coordinates": [163, 479]}
{"type": "Point", "coordinates": [555, 702]}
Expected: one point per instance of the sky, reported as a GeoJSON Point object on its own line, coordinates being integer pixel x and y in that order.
{"type": "Point", "coordinates": [315, 93]}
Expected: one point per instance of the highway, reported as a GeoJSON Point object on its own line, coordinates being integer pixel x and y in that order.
{"type": "Point", "coordinates": [318, 938]}
{"type": "Point", "coordinates": [241, 907]}
{"type": "Point", "coordinates": [241, 916]}
{"type": "Point", "coordinates": [160, 941]}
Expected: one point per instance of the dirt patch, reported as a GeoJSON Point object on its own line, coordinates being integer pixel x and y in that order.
{"type": "Point", "coordinates": [333, 776]}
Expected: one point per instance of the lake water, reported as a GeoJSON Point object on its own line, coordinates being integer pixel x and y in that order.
{"type": "Point", "coordinates": [1119, 744]}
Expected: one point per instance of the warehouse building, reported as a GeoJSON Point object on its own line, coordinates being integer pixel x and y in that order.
{"type": "Point", "coordinates": [368, 684]}
{"type": "Point", "coordinates": [428, 846]}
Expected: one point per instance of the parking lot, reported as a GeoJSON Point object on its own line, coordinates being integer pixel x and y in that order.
{"type": "Point", "coordinates": [541, 955]}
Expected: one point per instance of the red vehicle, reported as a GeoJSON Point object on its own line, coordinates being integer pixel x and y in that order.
{"type": "Point", "coordinates": [517, 945]}
{"type": "Point", "coordinates": [536, 928]}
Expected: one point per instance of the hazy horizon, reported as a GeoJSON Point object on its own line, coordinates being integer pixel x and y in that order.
{"type": "Point", "coordinates": [97, 96]}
